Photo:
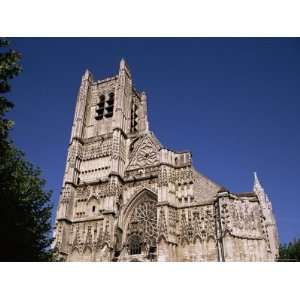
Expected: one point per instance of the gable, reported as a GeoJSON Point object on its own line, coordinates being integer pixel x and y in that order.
{"type": "Point", "coordinates": [145, 153]}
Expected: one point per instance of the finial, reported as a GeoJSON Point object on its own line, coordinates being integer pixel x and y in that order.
{"type": "Point", "coordinates": [256, 181]}
{"type": "Point", "coordinates": [124, 67]}
{"type": "Point", "coordinates": [122, 63]}
{"type": "Point", "coordinates": [143, 95]}
{"type": "Point", "coordinates": [87, 75]}
{"type": "Point", "coordinates": [257, 185]}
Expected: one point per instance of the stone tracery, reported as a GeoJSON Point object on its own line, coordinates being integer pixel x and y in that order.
{"type": "Point", "coordinates": [142, 223]}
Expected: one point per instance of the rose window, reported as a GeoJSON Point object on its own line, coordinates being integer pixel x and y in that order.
{"type": "Point", "coordinates": [142, 224]}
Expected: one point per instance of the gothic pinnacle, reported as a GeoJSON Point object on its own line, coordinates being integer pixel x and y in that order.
{"type": "Point", "coordinates": [257, 184]}
{"type": "Point", "coordinates": [87, 75]}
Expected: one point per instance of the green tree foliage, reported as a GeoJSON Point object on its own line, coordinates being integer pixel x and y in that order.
{"type": "Point", "coordinates": [25, 210]}
{"type": "Point", "coordinates": [290, 251]}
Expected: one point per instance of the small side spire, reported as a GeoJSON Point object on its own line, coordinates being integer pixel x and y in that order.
{"type": "Point", "coordinates": [87, 75]}
{"type": "Point", "coordinates": [122, 63]}
{"type": "Point", "coordinates": [124, 67]}
{"type": "Point", "coordinates": [260, 192]}
{"type": "Point", "coordinates": [257, 184]}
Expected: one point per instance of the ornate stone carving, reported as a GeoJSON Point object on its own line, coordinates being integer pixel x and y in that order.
{"type": "Point", "coordinates": [142, 173]}
{"type": "Point", "coordinates": [163, 177]}
{"type": "Point", "coordinates": [89, 237]}
{"type": "Point", "coordinates": [75, 150]}
{"type": "Point", "coordinates": [114, 188]}
{"type": "Point", "coordinates": [184, 175]}
{"type": "Point", "coordinates": [162, 225]}
{"type": "Point", "coordinates": [145, 154]}
{"type": "Point", "coordinates": [97, 191]}
{"type": "Point", "coordinates": [115, 154]}
{"type": "Point", "coordinates": [77, 243]}
{"type": "Point", "coordinates": [137, 186]}
{"type": "Point", "coordinates": [97, 149]}
{"type": "Point", "coordinates": [143, 221]}
{"type": "Point", "coordinates": [107, 234]}
{"type": "Point", "coordinates": [197, 223]}
{"type": "Point", "coordinates": [184, 234]}
{"type": "Point", "coordinates": [100, 239]}
{"type": "Point", "coordinates": [59, 229]}
{"type": "Point", "coordinates": [172, 220]}
{"type": "Point", "coordinates": [67, 193]}
{"type": "Point", "coordinates": [242, 219]}
{"type": "Point", "coordinates": [172, 176]}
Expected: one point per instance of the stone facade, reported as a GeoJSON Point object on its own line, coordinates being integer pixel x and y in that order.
{"type": "Point", "coordinates": [127, 198]}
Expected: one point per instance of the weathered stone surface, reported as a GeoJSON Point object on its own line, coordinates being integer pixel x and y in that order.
{"type": "Point", "coordinates": [127, 198]}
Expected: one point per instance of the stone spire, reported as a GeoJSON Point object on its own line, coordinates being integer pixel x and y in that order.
{"type": "Point", "coordinates": [257, 187]}
{"type": "Point", "coordinates": [87, 75]}
{"type": "Point", "coordinates": [260, 192]}
{"type": "Point", "coordinates": [256, 181]}
{"type": "Point", "coordinates": [124, 66]}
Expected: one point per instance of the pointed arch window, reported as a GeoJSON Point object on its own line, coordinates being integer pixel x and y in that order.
{"type": "Point", "coordinates": [135, 244]}
{"type": "Point", "coordinates": [142, 225]}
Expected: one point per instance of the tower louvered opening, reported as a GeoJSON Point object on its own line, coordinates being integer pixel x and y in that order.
{"type": "Point", "coordinates": [100, 108]}
{"type": "Point", "coordinates": [105, 107]}
{"type": "Point", "coordinates": [134, 118]}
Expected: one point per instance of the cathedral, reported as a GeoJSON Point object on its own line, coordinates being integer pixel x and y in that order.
{"type": "Point", "coordinates": [125, 197]}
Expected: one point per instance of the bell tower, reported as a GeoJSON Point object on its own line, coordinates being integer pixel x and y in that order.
{"type": "Point", "coordinates": [109, 113]}
{"type": "Point", "coordinates": [110, 104]}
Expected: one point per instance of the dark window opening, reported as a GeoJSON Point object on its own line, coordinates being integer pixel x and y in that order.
{"type": "Point", "coordinates": [152, 250]}
{"type": "Point", "coordinates": [93, 208]}
{"type": "Point", "coordinates": [134, 118]}
{"type": "Point", "coordinates": [100, 108]}
{"type": "Point", "coordinates": [152, 253]}
{"type": "Point", "coordinates": [109, 111]}
{"type": "Point", "coordinates": [135, 245]}
{"type": "Point", "coordinates": [111, 99]}
{"type": "Point", "coordinates": [109, 107]}
{"type": "Point", "coordinates": [105, 109]}
{"type": "Point", "coordinates": [102, 101]}
{"type": "Point", "coordinates": [117, 253]}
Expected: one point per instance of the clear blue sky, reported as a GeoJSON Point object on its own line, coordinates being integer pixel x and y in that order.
{"type": "Point", "coordinates": [235, 103]}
